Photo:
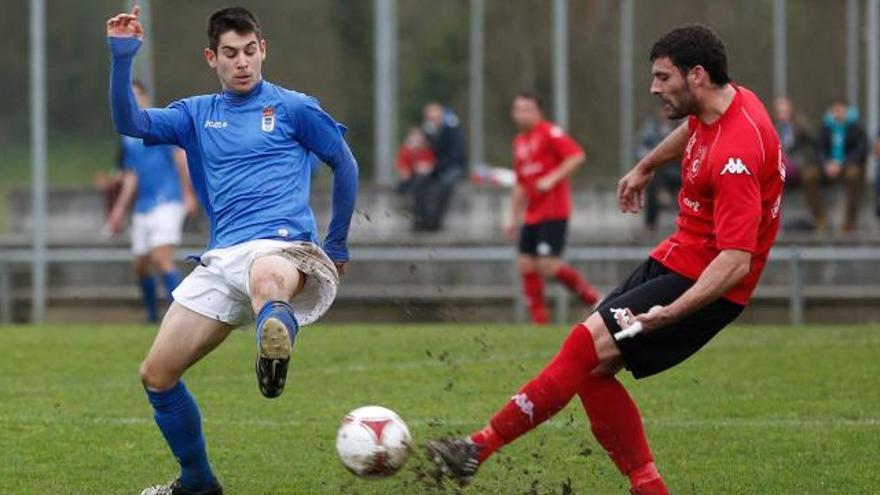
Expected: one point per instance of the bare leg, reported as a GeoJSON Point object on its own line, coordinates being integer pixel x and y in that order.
{"type": "Point", "coordinates": [184, 337]}
{"type": "Point", "coordinates": [273, 282]}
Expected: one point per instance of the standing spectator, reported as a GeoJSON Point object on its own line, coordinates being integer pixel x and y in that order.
{"type": "Point", "coordinates": [667, 178]}
{"type": "Point", "coordinates": [155, 179]}
{"type": "Point", "coordinates": [842, 153]}
{"type": "Point", "coordinates": [544, 159]}
{"type": "Point", "coordinates": [415, 160]}
{"type": "Point", "coordinates": [432, 196]}
{"type": "Point", "coordinates": [798, 143]}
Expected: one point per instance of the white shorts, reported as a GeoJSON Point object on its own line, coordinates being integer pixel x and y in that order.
{"type": "Point", "coordinates": [160, 226]}
{"type": "Point", "coordinates": [218, 287]}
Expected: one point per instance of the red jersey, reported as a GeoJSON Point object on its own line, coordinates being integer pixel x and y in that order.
{"type": "Point", "coordinates": [536, 153]}
{"type": "Point", "coordinates": [732, 178]}
{"type": "Point", "coordinates": [412, 160]}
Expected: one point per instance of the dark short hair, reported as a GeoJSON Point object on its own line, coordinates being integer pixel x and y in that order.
{"type": "Point", "coordinates": [691, 45]}
{"type": "Point", "coordinates": [528, 95]}
{"type": "Point", "coordinates": [238, 19]}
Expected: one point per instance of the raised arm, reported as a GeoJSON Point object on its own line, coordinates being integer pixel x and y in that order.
{"type": "Point", "coordinates": [154, 125]}
{"type": "Point", "coordinates": [124, 36]}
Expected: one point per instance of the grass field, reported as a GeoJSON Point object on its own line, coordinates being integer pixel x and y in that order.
{"type": "Point", "coordinates": [761, 410]}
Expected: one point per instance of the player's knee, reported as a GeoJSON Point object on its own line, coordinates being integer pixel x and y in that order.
{"type": "Point", "coordinates": [527, 264]}
{"type": "Point", "coordinates": [266, 285]}
{"type": "Point", "coordinates": [607, 353]}
{"type": "Point", "coordinates": [156, 379]}
{"type": "Point", "coordinates": [162, 261]}
{"type": "Point", "coordinates": [548, 266]}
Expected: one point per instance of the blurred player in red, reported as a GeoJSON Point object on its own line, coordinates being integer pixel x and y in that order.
{"type": "Point", "coordinates": [693, 284]}
{"type": "Point", "coordinates": [544, 159]}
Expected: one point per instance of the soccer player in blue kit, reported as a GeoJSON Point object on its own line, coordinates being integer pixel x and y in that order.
{"type": "Point", "coordinates": [155, 180]}
{"type": "Point", "coordinates": [250, 151]}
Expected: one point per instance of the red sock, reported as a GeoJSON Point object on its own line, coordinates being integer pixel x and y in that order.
{"type": "Point", "coordinates": [533, 286]}
{"type": "Point", "coordinates": [577, 284]}
{"type": "Point", "coordinates": [544, 396]}
{"type": "Point", "coordinates": [617, 425]}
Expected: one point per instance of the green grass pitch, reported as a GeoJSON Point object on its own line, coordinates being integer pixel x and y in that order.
{"type": "Point", "coordinates": [771, 410]}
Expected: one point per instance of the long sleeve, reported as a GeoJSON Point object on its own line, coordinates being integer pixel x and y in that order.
{"type": "Point", "coordinates": [319, 133]}
{"type": "Point", "coordinates": [345, 186]}
{"type": "Point", "coordinates": [128, 118]}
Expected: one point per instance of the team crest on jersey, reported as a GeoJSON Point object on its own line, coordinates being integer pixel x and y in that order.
{"type": "Point", "coordinates": [268, 122]}
{"type": "Point", "coordinates": [696, 161]}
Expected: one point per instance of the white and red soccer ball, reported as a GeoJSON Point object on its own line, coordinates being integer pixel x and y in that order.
{"type": "Point", "coordinates": [373, 442]}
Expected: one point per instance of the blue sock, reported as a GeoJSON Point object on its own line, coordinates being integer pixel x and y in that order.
{"type": "Point", "coordinates": [178, 417]}
{"type": "Point", "coordinates": [148, 294]}
{"type": "Point", "coordinates": [171, 280]}
{"type": "Point", "coordinates": [280, 310]}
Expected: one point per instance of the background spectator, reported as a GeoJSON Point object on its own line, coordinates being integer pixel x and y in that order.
{"type": "Point", "coordinates": [415, 159]}
{"type": "Point", "coordinates": [798, 143]}
{"type": "Point", "coordinates": [663, 188]}
{"type": "Point", "coordinates": [842, 152]}
{"type": "Point", "coordinates": [441, 126]}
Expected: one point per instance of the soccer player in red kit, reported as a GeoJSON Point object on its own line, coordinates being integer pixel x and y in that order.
{"type": "Point", "coordinates": [544, 159]}
{"type": "Point", "coordinates": [693, 284]}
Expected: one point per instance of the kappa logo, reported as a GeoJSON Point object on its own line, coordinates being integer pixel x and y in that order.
{"type": "Point", "coordinates": [735, 166]}
{"type": "Point", "coordinates": [694, 205]}
{"type": "Point", "coordinates": [268, 121]}
{"type": "Point", "coordinates": [525, 405]}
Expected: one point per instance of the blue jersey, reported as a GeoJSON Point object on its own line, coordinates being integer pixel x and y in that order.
{"type": "Point", "coordinates": [158, 180]}
{"type": "Point", "coordinates": [250, 156]}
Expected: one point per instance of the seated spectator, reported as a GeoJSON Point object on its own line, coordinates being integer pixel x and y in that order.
{"type": "Point", "coordinates": [798, 143]}
{"type": "Point", "coordinates": [415, 160]}
{"type": "Point", "coordinates": [663, 188]}
{"type": "Point", "coordinates": [433, 194]}
{"type": "Point", "coordinates": [842, 155]}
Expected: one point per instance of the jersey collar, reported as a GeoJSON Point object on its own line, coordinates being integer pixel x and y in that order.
{"type": "Point", "coordinates": [234, 98]}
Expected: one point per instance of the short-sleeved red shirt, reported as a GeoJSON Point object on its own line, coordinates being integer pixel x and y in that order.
{"type": "Point", "coordinates": [536, 153]}
{"type": "Point", "coordinates": [732, 181]}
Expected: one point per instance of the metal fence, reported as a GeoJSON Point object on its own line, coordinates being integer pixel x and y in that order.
{"type": "Point", "coordinates": [795, 256]}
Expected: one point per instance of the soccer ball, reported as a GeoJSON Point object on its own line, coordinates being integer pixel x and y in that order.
{"type": "Point", "coordinates": [373, 442]}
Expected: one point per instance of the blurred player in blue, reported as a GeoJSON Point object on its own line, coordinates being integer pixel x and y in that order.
{"type": "Point", "coordinates": [250, 151]}
{"type": "Point", "coordinates": [155, 179]}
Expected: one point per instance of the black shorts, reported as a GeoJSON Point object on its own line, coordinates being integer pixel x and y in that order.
{"type": "Point", "coordinates": [653, 284]}
{"type": "Point", "coordinates": [543, 239]}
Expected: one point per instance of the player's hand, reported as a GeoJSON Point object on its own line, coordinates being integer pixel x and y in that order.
{"type": "Point", "coordinates": [510, 230]}
{"type": "Point", "coordinates": [631, 190]}
{"type": "Point", "coordinates": [341, 267]}
{"type": "Point", "coordinates": [833, 169]}
{"type": "Point", "coordinates": [545, 184]}
{"type": "Point", "coordinates": [656, 317]}
{"type": "Point", "coordinates": [190, 205]}
{"type": "Point", "coordinates": [126, 25]}
{"type": "Point", "coordinates": [114, 223]}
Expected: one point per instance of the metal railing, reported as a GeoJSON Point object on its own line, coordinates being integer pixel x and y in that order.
{"type": "Point", "coordinates": [795, 256]}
